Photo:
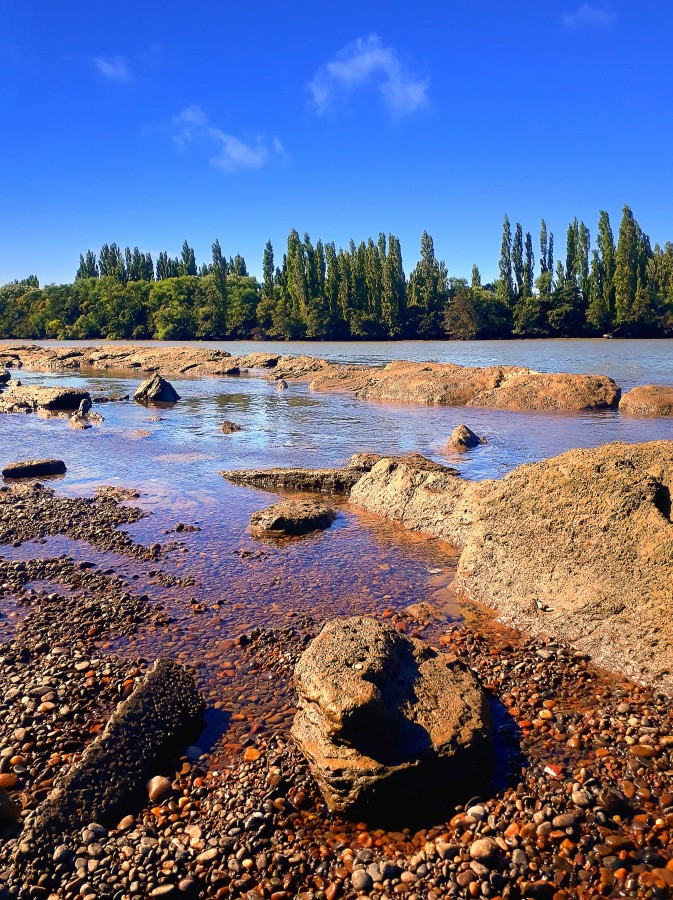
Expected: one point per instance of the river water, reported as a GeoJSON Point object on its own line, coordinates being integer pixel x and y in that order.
{"type": "Point", "coordinates": [173, 457]}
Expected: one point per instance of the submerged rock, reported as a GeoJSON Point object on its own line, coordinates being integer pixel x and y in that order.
{"type": "Point", "coordinates": [290, 517]}
{"type": "Point", "coordinates": [581, 547]}
{"type": "Point", "coordinates": [388, 724]}
{"type": "Point", "coordinates": [648, 400]}
{"type": "Point", "coordinates": [230, 427]}
{"type": "Point", "coordinates": [463, 438]}
{"type": "Point", "coordinates": [156, 390]}
{"type": "Point", "coordinates": [34, 468]}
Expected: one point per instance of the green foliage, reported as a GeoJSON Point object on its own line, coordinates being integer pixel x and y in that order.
{"type": "Point", "coordinates": [361, 292]}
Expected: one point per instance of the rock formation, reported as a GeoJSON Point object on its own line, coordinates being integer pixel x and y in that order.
{"type": "Point", "coordinates": [25, 398]}
{"type": "Point", "coordinates": [581, 547]}
{"type": "Point", "coordinates": [387, 723]}
{"type": "Point", "coordinates": [648, 400]}
{"type": "Point", "coordinates": [156, 390]}
{"type": "Point", "coordinates": [463, 438]}
{"type": "Point", "coordinates": [114, 769]}
{"type": "Point", "coordinates": [230, 427]}
{"type": "Point", "coordinates": [291, 517]}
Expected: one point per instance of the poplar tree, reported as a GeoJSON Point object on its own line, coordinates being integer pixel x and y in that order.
{"type": "Point", "coordinates": [505, 289]}
{"type": "Point", "coordinates": [517, 259]}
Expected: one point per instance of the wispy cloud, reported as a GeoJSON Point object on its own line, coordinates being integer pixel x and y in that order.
{"type": "Point", "coordinates": [368, 62]}
{"type": "Point", "coordinates": [116, 68]}
{"type": "Point", "coordinates": [587, 15]}
{"type": "Point", "coordinates": [194, 126]}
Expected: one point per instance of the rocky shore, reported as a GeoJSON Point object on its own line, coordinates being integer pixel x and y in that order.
{"type": "Point", "coordinates": [581, 804]}
{"type": "Point", "coordinates": [445, 384]}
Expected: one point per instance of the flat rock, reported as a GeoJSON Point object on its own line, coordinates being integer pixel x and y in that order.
{"type": "Point", "coordinates": [648, 400]}
{"type": "Point", "coordinates": [291, 517]}
{"type": "Point", "coordinates": [338, 480]}
{"type": "Point", "coordinates": [34, 468]}
{"type": "Point", "coordinates": [580, 547]}
{"type": "Point", "coordinates": [446, 384]}
{"type": "Point", "coordinates": [463, 438]}
{"type": "Point", "coordinates": [25, 398]}
{"type": "Point", "coordinates": [156, 390]}
{"type": "Point", "coordinates": [384, 720]}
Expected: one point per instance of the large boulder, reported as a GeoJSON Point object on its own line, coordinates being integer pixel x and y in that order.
{"type": "Point", "coordinates": [389, 725]}
{"type": "Point", "coordinates": [156, 390]}
{"type": "Point", "coordinates": [5, 376]}
{"type": "Point", "coordinates": [291, 517]}
{"type": "Point", "coordinates": [34, 468]}
{"type": "Point", "coordinates": [648, 400]}
{"type": "Point", "coordinates": [581, 547]}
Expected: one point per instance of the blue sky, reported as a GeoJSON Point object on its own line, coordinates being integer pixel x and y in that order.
{"type": "Point", "coordinates": [150, 123]}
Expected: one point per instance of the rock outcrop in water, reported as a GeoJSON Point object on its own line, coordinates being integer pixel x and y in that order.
{"type": "Point", "coordinates": [433, 500]}
{"type": "Point", "coordinates": [338, 480]}
{"type": "Point", "coordinates": [648, 400]}
{"type": "Point", "coordinates": [156, 390]}
{"type": "Point", "coordinates": [25, 398]}
{"type": "Point", "coordinates": [463, 438]}
{"type": "Point", "coordinates": [387, 723]}
{"type": "Point", "coordinates": [443, 384]}
{"type": "Point", "coordinates": [34, 468]}
{"type": "Point", "coordinates": [446, 384]}
{"type": "Point", "coordinates": [291, 517]}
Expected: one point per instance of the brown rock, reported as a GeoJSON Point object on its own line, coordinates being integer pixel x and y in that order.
{"type": "Point", "coordinates": [34, 468]}
{"type": "Point", "coordinates": [648, 400]}
{"type": "Point", "coordinates": [426, 499]}
{"type": "Point", "coordinates": [463, 438]}
{"type": "Point", "coordinates": [290, 517]}
{"type": "Point", "coordinates": [581, 547]}
{"type": "Point", "coordinates": [9, 811]}
{"type": "Point", "coordinates": [385, 721]}
{"type": "Point", "coordinates": [159, 789]}
{"type": "Point", "coordinates": [230, 427]}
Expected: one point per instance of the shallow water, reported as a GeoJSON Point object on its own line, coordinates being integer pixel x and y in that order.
{"type": "Point", "coordinates": [361, 565]}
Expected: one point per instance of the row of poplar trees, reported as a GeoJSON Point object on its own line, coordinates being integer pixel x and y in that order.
{"type": "Point", "coordinates": [622, 287]}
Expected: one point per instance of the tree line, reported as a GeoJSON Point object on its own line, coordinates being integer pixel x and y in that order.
{"type": "Point", "coordinates": [619, 287]}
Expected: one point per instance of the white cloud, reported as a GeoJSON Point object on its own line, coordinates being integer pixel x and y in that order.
{"type": "Point", "coordinates": [115, 68]}
{"type": "Point", "coordinates": [193, 125]}
{"type": "Point", "coordinates": [589, 16]}
{"type": "Point", "coordinates": [367, 62]}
